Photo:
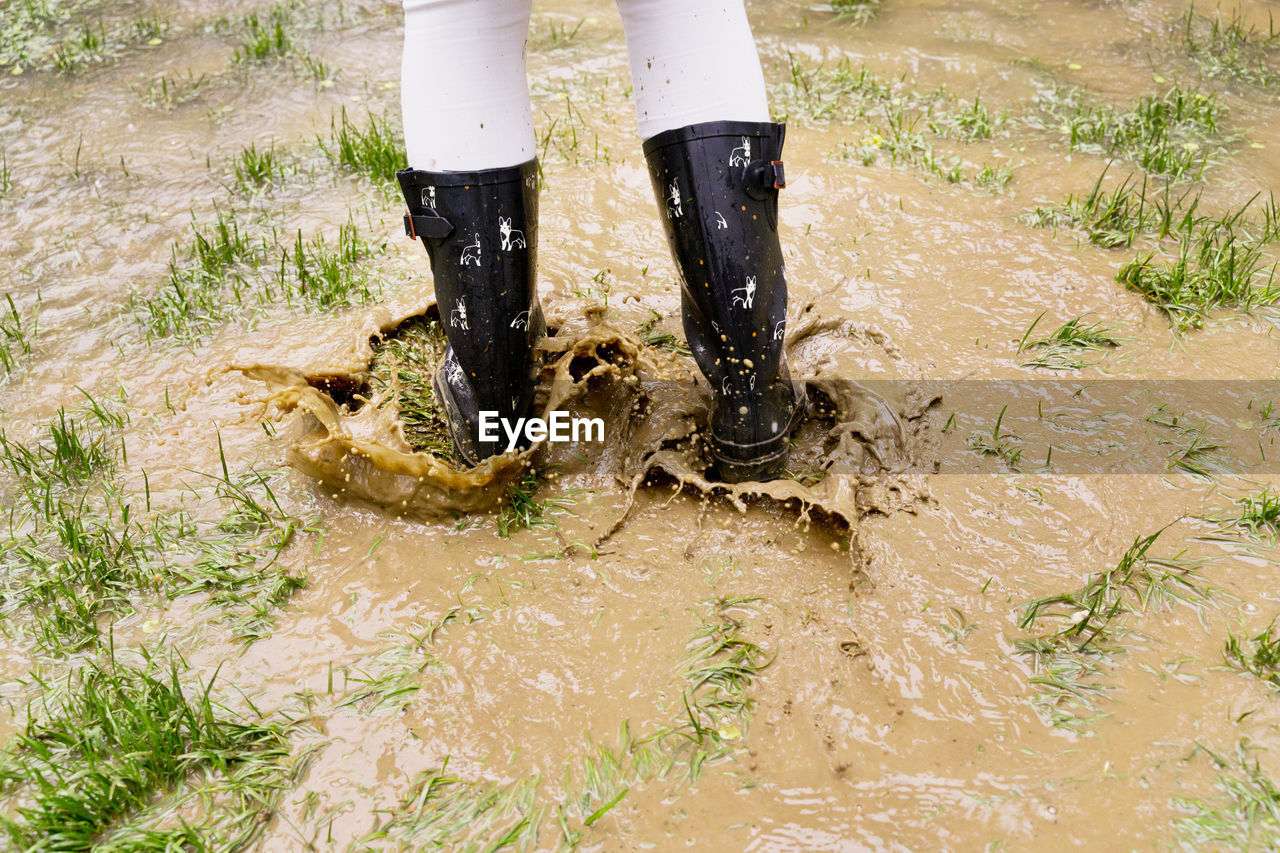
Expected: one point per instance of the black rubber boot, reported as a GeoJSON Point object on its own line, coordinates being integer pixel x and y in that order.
{"type": "Point", "coordinates": [480, 230]}
{"type": "Point", "coordinates": [717, 185]}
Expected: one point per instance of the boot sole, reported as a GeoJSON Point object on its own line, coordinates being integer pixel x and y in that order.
{"type": "Point", "coordinates": [758, 468]}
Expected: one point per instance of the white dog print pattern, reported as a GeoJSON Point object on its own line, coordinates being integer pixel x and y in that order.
{"type": "Point", "coordinates": [674, 207]}
{"type": "Point", "coordinates": [471, 254]}
{"type": "Point", "coordinates": [458, 317]}
{"type": "Point", "coordinates": [512, 238]}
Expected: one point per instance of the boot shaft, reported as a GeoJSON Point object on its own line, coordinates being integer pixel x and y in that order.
{"type": "Point", "coordinates": [480, 231]}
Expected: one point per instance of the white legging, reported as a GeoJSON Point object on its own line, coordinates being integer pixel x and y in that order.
{"type": "Point", "coordinates": [466, 99]}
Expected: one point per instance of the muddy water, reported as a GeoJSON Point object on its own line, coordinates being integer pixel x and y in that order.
{"type": "Point", "coordinates": [895, 713]}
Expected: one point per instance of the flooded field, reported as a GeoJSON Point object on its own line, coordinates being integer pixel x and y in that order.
{"type": "Point", "coordinates": [976, 631]}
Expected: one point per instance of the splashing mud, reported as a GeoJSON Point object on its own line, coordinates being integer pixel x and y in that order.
{"type": "Point", "coordinates": [652, 407]}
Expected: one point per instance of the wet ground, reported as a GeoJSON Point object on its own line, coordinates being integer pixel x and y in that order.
{"type": "Point", "coordinates": [870, 686]}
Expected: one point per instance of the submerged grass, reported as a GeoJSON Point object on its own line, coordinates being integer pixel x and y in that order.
{"type": "Point", "coordinates": [26, 30]}
{"type": "Point", "coordinates": [172, 89]}
{"type": "Point", "coordinates": [1193, 451]}
{"type": "Point", "coordinates": [721, 666]}
{"type": "Point", "coordinates": [1256, 515]}
{"type": "Point", "coordinates": [1258, 656]}
{"type": "Point", "coordinates": [77, 555]}
{"type": "Point", "coordinates": [389, 678]}
{"type": "Point", "coordinates": [95, 43]}
{"type": "Point", "coordinates": [444, 811]}
{"type": "Point", "coordinates": [569, 134]}
{"type": "Point", "coordinates": [1232, 49]}
{"type": "Point", "coordinates": [1063, 349]}
{"type": "Point", "coordinates": [101, 768]}
{"type": "Point", "coordinates": [1246, 818]}
{"type": "Point", "coordinates": [1086, 625]}
{"type": "Point", "coordinates": [896, 122]}
{"type": "Point", "coordinates": [1165, 134]}
{"type": "Point", "coordinates": [402, 369]}
{"type": "Point", "coordinates": [998, 443]}
{"type": "Point", "coordinates": [16, 335]}
{"type": "Point", "coordinates": [858, 11]}
{"type": "Point", "coordinates": [237, 560]}
{"type": "Point", "coordinates": [651, 335]}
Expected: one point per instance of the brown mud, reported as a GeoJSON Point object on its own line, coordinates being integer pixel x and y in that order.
{"type": "Point", "coordinates": [891, 708]}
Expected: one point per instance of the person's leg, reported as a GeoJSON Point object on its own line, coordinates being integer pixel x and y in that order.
{"type": "Point", "coordinates": [715, 162]}
{"type": "Point", "coordinates": [692, 61]}
{"type": "Point", "coordinates": [472, 193]}
{"type": "Point", "coordinates": [463, 92]}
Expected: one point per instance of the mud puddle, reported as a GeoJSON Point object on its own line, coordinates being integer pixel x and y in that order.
{"type": "Point", "coordinates": [992, 654]}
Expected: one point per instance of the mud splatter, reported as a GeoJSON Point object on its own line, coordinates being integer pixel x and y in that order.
{"type": "Point", "coordinates": [860, 444]}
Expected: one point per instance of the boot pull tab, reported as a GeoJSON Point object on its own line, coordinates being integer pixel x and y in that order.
{"type": "Point", "coordinates": [428, 225]}
{"type": "Point", "coordinates": [762, 176]}
{"type": "Point", "coordinates": [766, 175]}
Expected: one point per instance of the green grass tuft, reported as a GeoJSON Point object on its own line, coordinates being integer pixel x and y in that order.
{"type": "Point", "coordinates": [328, 278]}
{"type": "Point", "coordinates": [16, 336]}
{"type": "Point", "coordinates": [1219, 262]}
{"type": "Point", "coordinates": [268, 36]}
{"type": "Point", "coordinates": [1166, 134]}
{"type": "Point", "coordinates": [99, 770]}
{"type": "Point", "coordinates": [1259, 657]}
{"type": "Point", "coordinates": [998, 442]}
{"type": "Point", "coordinates": [1064, 347]}
{"type": "Point", "coordinates": [227, 269]}
{"type": "Point", "coordinates": [1214, 268]}
{"type": "Point", "coordinates": [256, 170]}
{"type": "Point", "coordinates": [1115, 219]}
{"type": "Point", "coordinates": [523, 511]}
{"type": "Point", "coordinates": [77, 555]}
{"type": "Point", "coordinates": [402, 369]}
{"type": "Point", "coordinates": [373, 150]}
{"type": "Point", "coordinates": [1258, 515]}
{"type": "Point", "coordinates": [86, 47]}
{"type": "Point", "coordinates": [970, 123]}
